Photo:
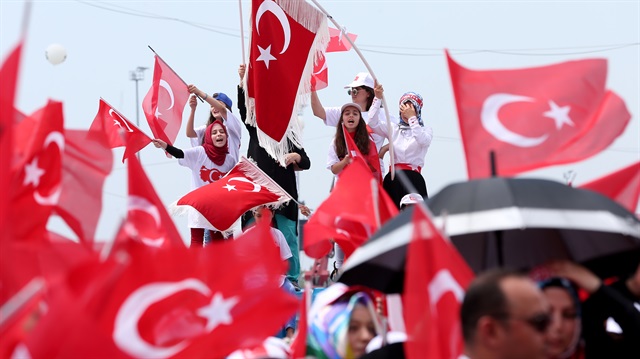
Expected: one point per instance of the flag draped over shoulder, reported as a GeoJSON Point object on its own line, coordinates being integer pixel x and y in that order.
{"type": "Point", "coordinates": [286, 38]}
{"type": "Point", "coordinates": [622, 186]}
{"type": "Point", "coordinates": [435, 281]}
{"type": "Point", "coordinates": [164, 103]}
{"type": "Point", "coordinates": [118, 131]}
{"type": "Point", "coordinates": [222, 202]}
{"type": "Point", "coordinates": [535, 117]}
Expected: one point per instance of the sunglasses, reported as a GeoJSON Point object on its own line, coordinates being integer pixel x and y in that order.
{"type": "Point", "coordinates": [353, 91]}
{"type": "Point", "coordinates": [539, 322]}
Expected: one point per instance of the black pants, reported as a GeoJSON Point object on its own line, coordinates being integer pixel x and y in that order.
{"type": "Point", "coordinates": [396, 190]}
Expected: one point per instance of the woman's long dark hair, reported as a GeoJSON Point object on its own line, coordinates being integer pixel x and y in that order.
{"type": "Point", "coordinates": [370, 98]}
{"type": "Point", "coordinates": [361, 138]}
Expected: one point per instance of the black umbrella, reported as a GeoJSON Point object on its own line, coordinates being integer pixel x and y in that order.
{"type": "Point", "coordinates": [519, 223]}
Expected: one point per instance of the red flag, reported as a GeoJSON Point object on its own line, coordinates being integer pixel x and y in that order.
{"type": "Point", "coordinates": [146, 214]}
{"type": "Point", "coordinates": [435, 281]}
{"type": "Point", "coordinates": [8, 81]}
{"type": "Point", "coordinates": [164, 103]}
{"type": "Point", "coordinates": [225, 200]}
{"type": "Point", "coordinates": [299, 344]}
{"type": "Point", "coordinates": [86, 165]}
{"type": "Point", "coordinates": [348, 215]}
{"type": "Point", "coordinates": [286, 38]}
{"type": "Point", "coordinates": [535, 117]}
{"type": "Point", "coordinates": [320, 76]}
{"type": "Point", "coordinates": [118, 131]}
{"type": "Point", "coordinates": [622, 186]}
{"type": "Point", "coordinates": [371, 159]}
{"type": "Point", "coordinates": [37, 171]}
{"type": "Point", "coordinates": [337, 42]}
{"type": "Point", "coordinates": [177, 303]}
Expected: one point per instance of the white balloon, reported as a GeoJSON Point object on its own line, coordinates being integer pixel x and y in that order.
{"type": "Point", "coordinates": [56, 54]}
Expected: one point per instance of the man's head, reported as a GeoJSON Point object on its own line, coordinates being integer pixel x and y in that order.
{"type": "Point", "coordinates": [504, 315]}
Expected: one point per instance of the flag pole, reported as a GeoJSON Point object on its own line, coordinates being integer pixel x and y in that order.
{"type": "Point", "coordinates": [376, 207]}
{"type": "Point", "coordinates": [241, 31]}
{"type": "Point", "coordinates": [366, 64]}
{"type": "Point", "coordinates": [178, 76]}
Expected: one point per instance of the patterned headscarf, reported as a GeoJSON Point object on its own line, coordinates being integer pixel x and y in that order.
{"type": "Point", "coordinates": [416, 100]}
{"type": "Point", "coordinates": [327, 336]}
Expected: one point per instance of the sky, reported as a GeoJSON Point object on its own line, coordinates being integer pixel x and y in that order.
{"type": "Point", "coordinates": [403, 41]}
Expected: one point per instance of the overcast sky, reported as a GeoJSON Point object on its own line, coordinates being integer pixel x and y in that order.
{"type": "Point", "coordinates": [403, 41]}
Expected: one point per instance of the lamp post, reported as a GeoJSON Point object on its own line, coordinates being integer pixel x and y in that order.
{"type": "Point", "coordinates": [137, 75]}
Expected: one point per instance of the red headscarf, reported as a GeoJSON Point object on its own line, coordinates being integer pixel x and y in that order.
{"type": "Point", "coordinates": [216, 154]}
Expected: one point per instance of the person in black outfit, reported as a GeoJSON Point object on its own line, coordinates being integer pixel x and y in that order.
{"type": "Point", "coordinates": [287, 216]}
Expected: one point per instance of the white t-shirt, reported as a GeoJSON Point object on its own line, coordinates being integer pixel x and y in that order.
{"type": "Point", "coordinates": [281, 243]}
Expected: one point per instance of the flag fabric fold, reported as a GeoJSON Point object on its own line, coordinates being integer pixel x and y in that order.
{"type": "Point", "coordinates": [354, 210]}
{"type": "Point", "coordinates": [85, 167]}
{"type": "Point", "coordinates": [337, 42]}
{"type": "Point", "coordinates": [222, 202]}
{"type": "Point", "coordinates": [287, 36]}
{"type": "Point", "coordinates": [435, 281]}
{"type": "Point", "coordinates": [164, 103]}
{"type": "Point", "coordinates": [118, 131]}
{"type": "Point", "coordinates": [622, 186]}
{"type": "Point", "coordinates": [535, 117]}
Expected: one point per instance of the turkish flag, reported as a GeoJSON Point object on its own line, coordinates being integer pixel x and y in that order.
{"type": "Point", "coordinates": [240, 190]}
{"type": "Point", "coordinates": [37, 172]}
{"type": "Point", "coordinates": [8, 81]}
{"type": "Point", "coordinates": [320, 76]}
{"type": "Point", "coordinates": [147, 219]}
{"type": "Point", "coordinates": [337, 43]}
{"type": "Point", "coordinates": [286, 38]}
{"type": "Point", "coordinates": [372, 158]}
{"type": "Point", "coordinates": [622, 186]}
{"type": "Point", "coordinates": [118, 131]}
{"type": "Point", "coordinates": [348, 215]}
{"type": "Point", "coordinates": [160, 304]}
{"type": "Point", "coordinates": [535, 117]}
{"type": "Point", "coordinates": [164, 103]}
{"type": "Point", "coordinates": [435, 281]}
{"type": "Point", "coordinates": [85, 167]}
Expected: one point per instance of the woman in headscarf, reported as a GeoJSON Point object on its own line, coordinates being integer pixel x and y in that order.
{"type": "Point", "coordinates": [563, 334]}
{"type": "Point", "coordinates": [411, 140]}
{"type": "Point", "coordinates": [208, 162]}
{"type": "Point", "coordinates": [342, 328]}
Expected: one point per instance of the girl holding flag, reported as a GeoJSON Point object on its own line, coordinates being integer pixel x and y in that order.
{"type": "Point", "coordinates": [209, 161]}
{"type": "Point", "coordinates": [411, 140]}
{"type": "Point", "coordinates": [352, 125]}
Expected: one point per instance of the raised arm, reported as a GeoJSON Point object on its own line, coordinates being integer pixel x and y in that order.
{"type": "Point", "coordinates": [191, 132]}
{"type": "Point", "coordinates": [423, 135]}
{"type": "Point", "coordinates": [218, 105]}
{"type": "Point", "coordinates": [377, 126]}
{"type": "Point", "coordinates": [316, 107]}
{"type": "Point", "coordinates": [173, 151]}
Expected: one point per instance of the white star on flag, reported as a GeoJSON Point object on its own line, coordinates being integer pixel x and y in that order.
{"type": "Point", "coordinates": [265, 55]}
{"type": "Point", "coordinates": [217, 312]}
{"type": "Point", "coordinates": [33, 173]}
{"type": "Point", "coordinates": [230, 187]}
{"type": "Point", "coordinates": [559, 114]}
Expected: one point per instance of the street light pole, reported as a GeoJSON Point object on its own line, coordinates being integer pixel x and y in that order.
{"type": "Point", "coordinates": [137, 75]}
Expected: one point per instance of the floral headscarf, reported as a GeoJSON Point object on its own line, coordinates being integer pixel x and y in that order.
{"type": "Point", "coordinates": [327, 336]}
{"type": "Point", "coordinates": [416, 100]}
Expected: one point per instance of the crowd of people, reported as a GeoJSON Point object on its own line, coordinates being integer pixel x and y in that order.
{"type": "Point", "coordinates": [504, 314]}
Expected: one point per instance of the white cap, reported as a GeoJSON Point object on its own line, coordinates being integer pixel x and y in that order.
{"type": "Point", "coordinates": [411, 198]}
{"type": "Point", "coordinates": [362, 79]}
{"type": "Point", "coordinates": [351, 104]}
